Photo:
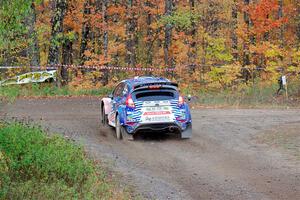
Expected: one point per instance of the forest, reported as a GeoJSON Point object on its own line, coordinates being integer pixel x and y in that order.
{"type": "Point", "coordinates": [216, 44]}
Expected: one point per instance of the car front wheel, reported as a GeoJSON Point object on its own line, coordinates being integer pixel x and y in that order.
{"type": "Point", "coordinates": [118, 128]}
{"type": "Point", "coordinates": [103, 117]}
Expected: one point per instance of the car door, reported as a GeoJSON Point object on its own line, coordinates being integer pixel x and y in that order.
{"type": "Point", "coordinates": [121, 96]}
{"type": "Point", "coordinates": [116, 100]}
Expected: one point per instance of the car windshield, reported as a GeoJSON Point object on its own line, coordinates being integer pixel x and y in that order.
{"type": "Point", "coordinates": [155, 95]}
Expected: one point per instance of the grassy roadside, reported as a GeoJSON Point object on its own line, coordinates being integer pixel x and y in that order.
{"type": "Point", "coordinates": [249, 97]}
{"type": "Point", "coordinates": [12, 92]}
{"type": "Point", "coordinates": [34, 165]}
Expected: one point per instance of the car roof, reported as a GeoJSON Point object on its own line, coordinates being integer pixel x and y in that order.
{"type": "Point", "coordinates": [145, 79]}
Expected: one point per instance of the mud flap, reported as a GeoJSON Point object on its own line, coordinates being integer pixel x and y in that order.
{"type": "Point", "coordinates": [187, 133]}
{"type": "Point", "coordinates": [126, 135]}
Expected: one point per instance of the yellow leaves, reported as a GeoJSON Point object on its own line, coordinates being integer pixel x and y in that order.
{"type": "Point", "coordinates": [155, 25]}
{"type": "Point", "coordinates": [117, 47]}
{"type": "Point", "coordinates": [88, 53]}
{"type": "Point", "coordinates": [117, 29]}
{"type": "Point", "coordinates": [114, 10]}
{"type": "Point", "coordinates": [150, 10]}
{"type": "Point", "coordinates": [87, 81]}
{"type": "Point", "coordinates": [259, 48]}
{"type": "Point", "coordinates": [224, 76]}
{"type": "Point", "coordinates": [273, 51]}
{"type": "Point", "coordinates": [96, 59]}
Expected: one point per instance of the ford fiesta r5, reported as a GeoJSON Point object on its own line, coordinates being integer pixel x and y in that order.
{"type": "Point", "coordinates": [150, 104]}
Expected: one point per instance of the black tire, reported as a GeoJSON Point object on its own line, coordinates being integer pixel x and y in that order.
{"type": "Point", "coordinates": [126, 135]}
{"type": "Point", "coordinates": [118, 128]}
{"type": "Point", "coordinates": [50, 80]}
{"type": "Point", "coordinates": [103, 117]}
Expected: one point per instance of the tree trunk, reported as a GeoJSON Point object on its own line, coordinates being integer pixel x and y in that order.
{"type": "Point", "coordinates": [131, 33]}
{"type": "Point", "coordinates": [150, 33]}
{"type": "Point", "coordinates": [246, 50]}
{"type": "Point", "coordinates": [34, 47]}
{"type": "Point", "coordinates": [246, 56]}
{"type": "Point", "coordinates": [105, 39]}
{"type": "Point", "coordinates": [234, 38]}
{"type": "Point", "coordinates": [67, 59]}
{"type": "Point", "coordinates": [192, 54]}
{"type": "Point", "coordinates": [298, 26]}
{"type": "Point", "coordinates": [85, 31]}
{"type": "Point", "coordinates": [105, 28]}
{"type": "Point", "coordinates": [280, 15]}
{"type": "Point", "coordinates": [168, 34]}
{"type": "Point", "coordinates": [56, 30]}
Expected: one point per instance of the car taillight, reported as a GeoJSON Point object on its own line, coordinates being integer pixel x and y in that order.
{"type": "Point", "coordinates": [180, 101]}
{"type": "Point", "coordinates": [129, 102]}
{"type": "Point", "coordinates": [154, 87]}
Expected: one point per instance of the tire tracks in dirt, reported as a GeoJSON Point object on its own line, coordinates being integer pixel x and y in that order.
{"type": "Point", "coordinates": [221, 161]}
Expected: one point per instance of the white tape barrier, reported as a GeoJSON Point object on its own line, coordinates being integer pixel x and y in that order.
{"type": "Point", "coordinates": [88, 67]}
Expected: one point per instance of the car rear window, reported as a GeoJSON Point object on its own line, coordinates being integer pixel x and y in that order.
{"type": "Point", "coordinates": [154, 95]}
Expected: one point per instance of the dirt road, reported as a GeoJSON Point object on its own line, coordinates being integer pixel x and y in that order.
{"type": "Point", "coordinates": [223, 160]}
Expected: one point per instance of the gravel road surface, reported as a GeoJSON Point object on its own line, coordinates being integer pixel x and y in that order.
{"type": "Point", "coordinates": [223, 160]}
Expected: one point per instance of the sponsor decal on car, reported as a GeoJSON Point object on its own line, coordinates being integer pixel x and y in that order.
{"type": "Point", "coordinates": [155, 118]}
{"type": "Point", "coordinates": [158, 113]}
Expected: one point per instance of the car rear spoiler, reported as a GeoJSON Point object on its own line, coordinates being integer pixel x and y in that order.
{"type": "Point", "coordinates": [158, 84]}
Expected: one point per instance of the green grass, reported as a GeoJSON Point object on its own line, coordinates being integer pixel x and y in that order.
{"type": "Point", "coordinates": [241, 96]}
{"type": "Point", "coordinates": [36, 166]}
{"type": "Point", "coordinates": [46, 90]}
{"type": "Point", "coordinates": [251, 96]}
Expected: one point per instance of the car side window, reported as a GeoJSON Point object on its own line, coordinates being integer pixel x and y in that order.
{"type": "Point", "coordinates": [119, 90]}
{"type": "Point", "coordinates": [125, 90]}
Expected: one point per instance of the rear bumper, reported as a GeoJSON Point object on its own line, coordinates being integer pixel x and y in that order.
{"type": "Point", "coordinates": [187, 133]}
{"type": "Point", "coordinates": [157, 127]}
{"type": "Point", "coordinates": [165, 128]}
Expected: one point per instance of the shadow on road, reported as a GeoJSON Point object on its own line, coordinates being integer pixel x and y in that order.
{"type": "Point", "coordinates": [155, 136]}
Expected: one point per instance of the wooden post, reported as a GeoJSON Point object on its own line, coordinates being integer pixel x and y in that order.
{"type": "Point", "coordinates": [286, 91]}
{"type": "Point", "coordinates": [284, 83]}
{"type": "Point", "coordinates": [59, 77]}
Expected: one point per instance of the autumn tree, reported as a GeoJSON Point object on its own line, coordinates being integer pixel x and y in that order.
{"type": "Point", "coordinates": [297, 22]}
{"type": "Point", "coordinates": [150, 15]}
{"type": "Point", "coordinates": [18, 42]}
{"type": "Point", "coordinates": [234, 38]}
{"type": "Point", "coordinates": [86, 26]}
{"type": "Point", "coordinates": [60, 7]}
{"type": "Point", "coordinates": [204, 41]}
{"type": "Point", "coordinates": [246, 52]}
{"type": "Point", "coordinates": [33, 50]}
{"type": "Point", "coordinates": [192, 54]}
{"type": "Point", "coordinates": [280, 16]}
{"type": "Point", "coordinates": [131, 28]}
{"type": "Point", "coordinates": [105, 28]}
{"type": "Point", "coordinates": [169, 7]}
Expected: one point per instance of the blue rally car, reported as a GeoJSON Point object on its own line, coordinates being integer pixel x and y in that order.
{"type": "Point", "coordinates": [150, 104]}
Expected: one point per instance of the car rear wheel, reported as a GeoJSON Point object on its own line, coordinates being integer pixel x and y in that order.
{"type": "Point", "coordinates": [118, 128]}
{"type": "Point", "coordinates": [103, 117]}
{"type": "Point", "coordinates": [126, 135]}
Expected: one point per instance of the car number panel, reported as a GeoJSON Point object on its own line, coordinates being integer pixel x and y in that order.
{"type": "Point", "coordinates": [157, 114]}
